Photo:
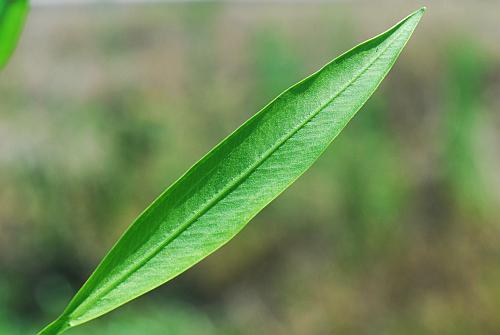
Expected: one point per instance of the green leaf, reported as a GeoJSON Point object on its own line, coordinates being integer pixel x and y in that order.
{"type": "Point", "coordinates": [216, 198]}
{"type": "Point", "coordinates": [12, 16]}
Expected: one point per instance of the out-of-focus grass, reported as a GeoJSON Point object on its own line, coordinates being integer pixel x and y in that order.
{"type": "Point", "coordinates": [464, 88]}
{"type": "Point", "coordinates": [394, 231]}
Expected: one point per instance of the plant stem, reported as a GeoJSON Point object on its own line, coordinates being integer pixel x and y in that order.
{"type": "Point", "coordinates": [55, 328]}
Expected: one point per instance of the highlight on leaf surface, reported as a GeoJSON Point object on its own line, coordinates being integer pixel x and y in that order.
{"type": "Point", "coordinates": [217, 197]}
{"type": "Point", "coordinates": [12, 16]}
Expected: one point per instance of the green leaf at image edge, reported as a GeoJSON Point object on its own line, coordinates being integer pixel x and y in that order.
{"type": "Point", "coordinates": [217, 197]}
{"type": "Point", "coordinates": [12, 16]}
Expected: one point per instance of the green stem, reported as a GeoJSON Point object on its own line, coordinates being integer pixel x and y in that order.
{"type": "Point", "coordinates": [55, 328]}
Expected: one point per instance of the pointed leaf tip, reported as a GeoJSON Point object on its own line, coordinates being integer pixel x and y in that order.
{"type": "Point", "coordinates": [419, 12]}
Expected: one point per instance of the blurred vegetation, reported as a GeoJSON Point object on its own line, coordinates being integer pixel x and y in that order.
{"type": "Point", "coordinates": [395, 230]}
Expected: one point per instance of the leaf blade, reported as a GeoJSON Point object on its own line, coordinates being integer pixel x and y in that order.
{"type": "Point", "coordinates": [12, 16]}
{"type": "Point", "coordinates": [203, 210]}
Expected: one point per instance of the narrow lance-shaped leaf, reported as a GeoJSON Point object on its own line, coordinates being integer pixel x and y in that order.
{"type": "Point", "coordinates": [12, 16]}
{"type": "Point", "coordinates": [215, 199]}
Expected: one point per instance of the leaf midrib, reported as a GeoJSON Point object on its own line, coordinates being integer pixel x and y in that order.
{"type": "Point", "coordinates": [238, 180]}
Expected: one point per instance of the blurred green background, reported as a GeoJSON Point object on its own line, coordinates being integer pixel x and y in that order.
{"type": "Point", "coordinates": [395, 230]}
